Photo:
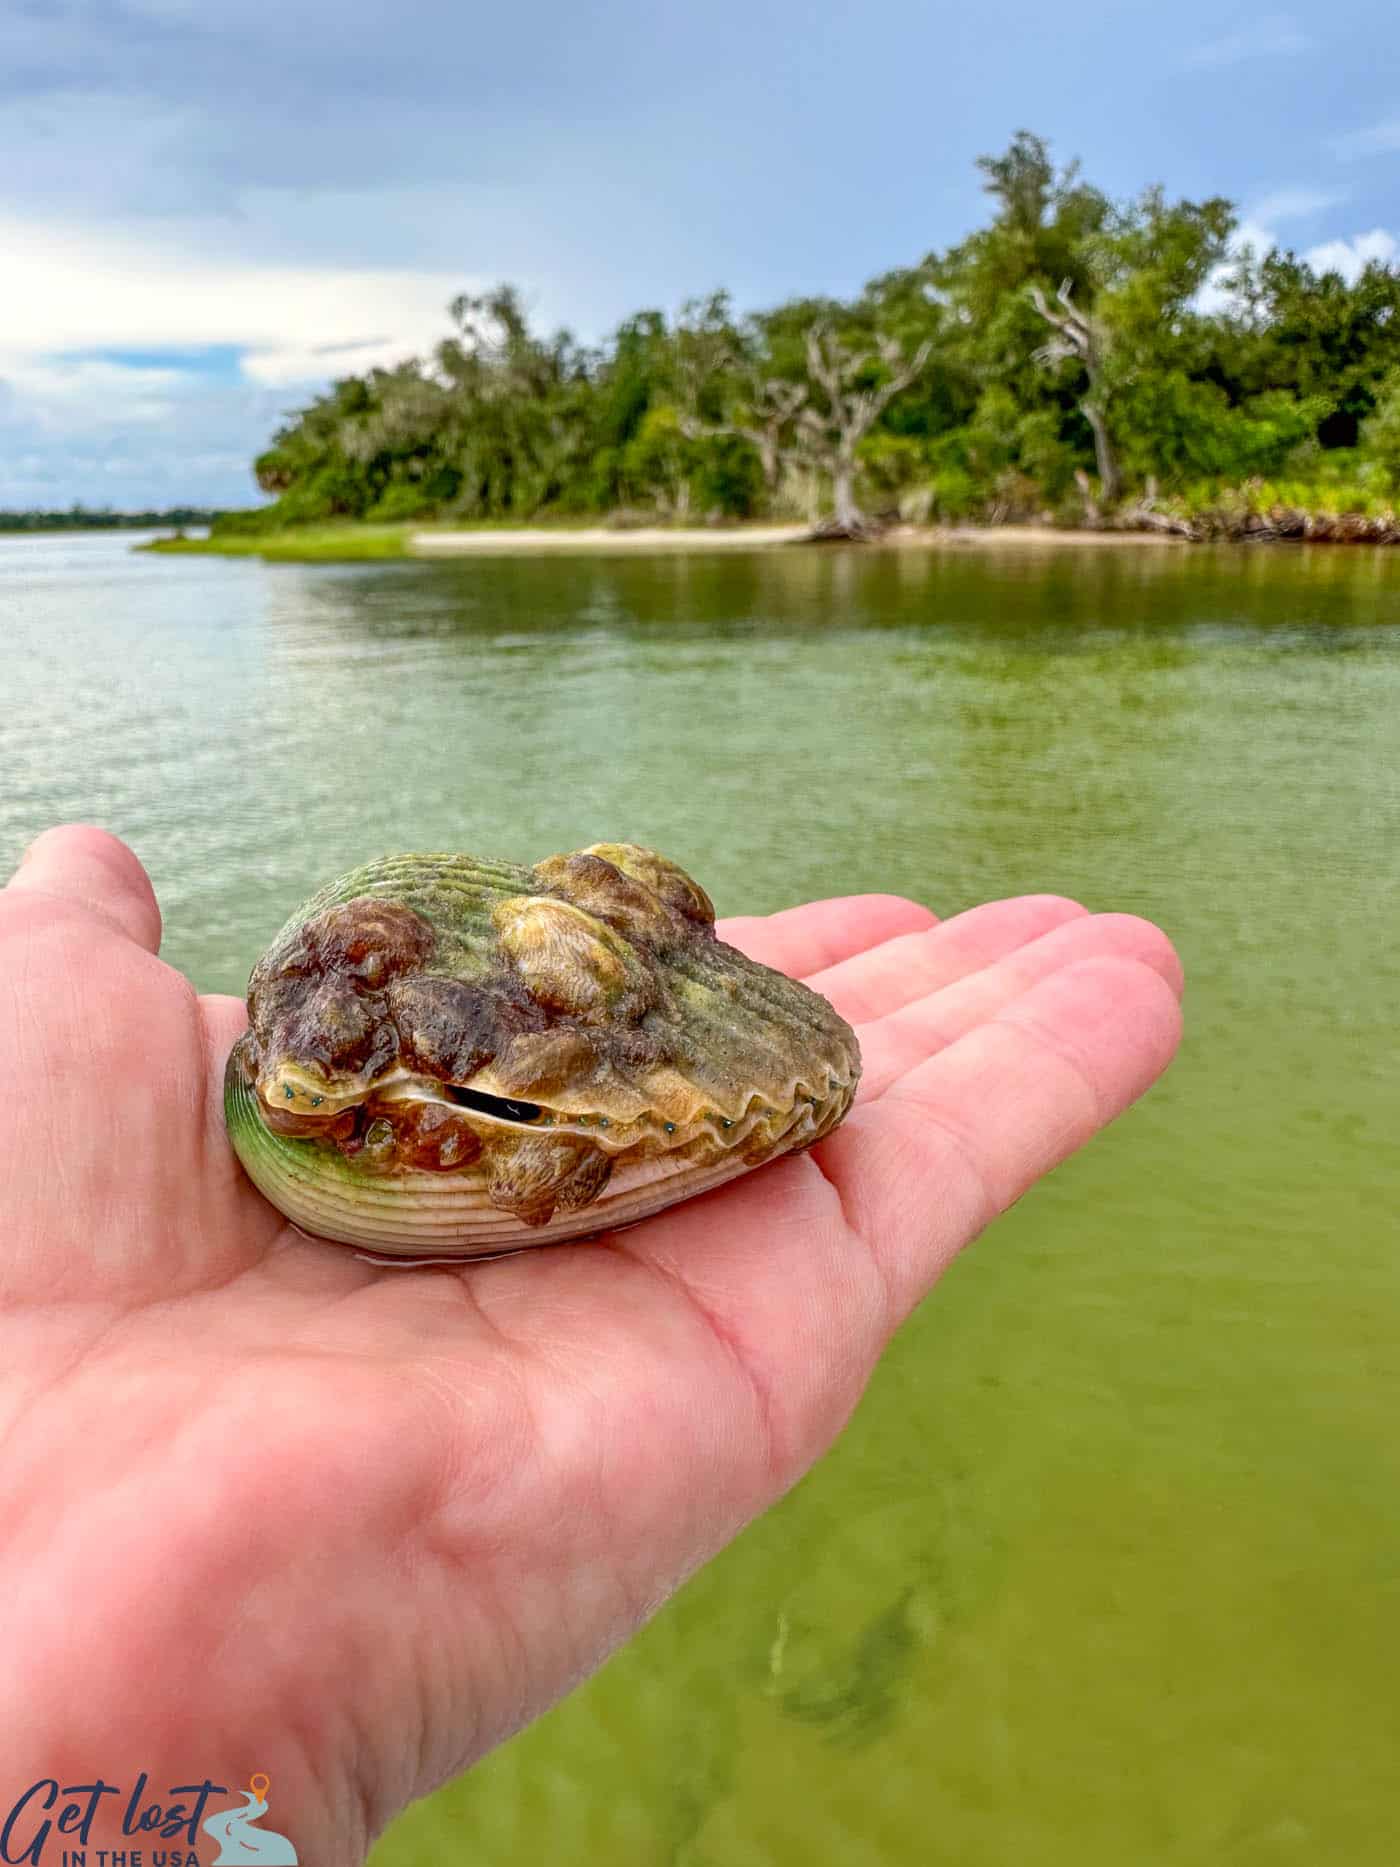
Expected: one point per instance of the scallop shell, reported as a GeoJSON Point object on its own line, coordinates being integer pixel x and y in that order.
{"type": "Point", "coordinates": [454, 1057]}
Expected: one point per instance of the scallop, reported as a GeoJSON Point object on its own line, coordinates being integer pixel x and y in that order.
{"type": "Point", "coordinates": [453, 1057]}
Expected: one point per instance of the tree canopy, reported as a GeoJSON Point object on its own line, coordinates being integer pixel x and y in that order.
{"type": "Point", "coordinates": [1071, 354]}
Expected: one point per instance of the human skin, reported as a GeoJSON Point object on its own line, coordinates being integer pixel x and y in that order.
{"type": "Point", "coordinates": [266, 1506]}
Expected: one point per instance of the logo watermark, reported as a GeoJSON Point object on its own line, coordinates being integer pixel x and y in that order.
{"type": "Point", "coordinates": [239, 1840]}
{"type": "Point", "coordinates": [53, 1825]}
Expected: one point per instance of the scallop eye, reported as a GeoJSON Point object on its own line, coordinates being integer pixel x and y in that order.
{"type": "Point", "coordinates": [504, 1108]}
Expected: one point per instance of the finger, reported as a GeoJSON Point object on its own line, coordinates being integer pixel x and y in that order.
{"type": "Point", "coordinates": [224, 1019]}
{"type": "Point", "coordinates": [800, 940]}
{"type": "Point", "coordinates": [892, 1046]}
{"type": "Point", "coordinates": [96, 872]}
{"type": "Point", "coordinates": [960, 1138]}
{"type": "Point", "coordinates": [871, 984]}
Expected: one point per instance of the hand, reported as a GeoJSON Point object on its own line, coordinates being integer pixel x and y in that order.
{"type": "Point", "coordinates": [264, 1506]}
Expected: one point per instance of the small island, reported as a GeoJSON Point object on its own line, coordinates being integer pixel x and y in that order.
{"type": "Point", "coordinates": [1075, 365]}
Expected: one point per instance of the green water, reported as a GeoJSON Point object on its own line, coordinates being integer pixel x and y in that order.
{"type": "Point", "coordinates": [1107, 1568]}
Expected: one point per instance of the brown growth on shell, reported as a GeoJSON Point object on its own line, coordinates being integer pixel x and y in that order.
{"type": "Point", "coordinates": [307, 1125]}
{"type": "Point", "coordinates": [316, 996]}
{"type": "Point", "coordinates": [433, 1136]}
{"type": "Point", "coordinates": [343, 1031]}
{"type": "Point", "coordinates": [662, 877]}
{"type": "Point", "coordinates": [450, 1029]}
{"type": "Point", "coordinates": [571, 962]}
{"type": "Point", "coordinates": [369, 940]}
{"type": "Point", "coordinates": [601, 889]}
{"type": "Point", "coordinates": [537, 1063]}
{"type": "Point", "coordinates": [548, 1173]}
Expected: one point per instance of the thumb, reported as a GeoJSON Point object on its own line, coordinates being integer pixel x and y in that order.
{"type": "Point", "coordinates": [95, 871]}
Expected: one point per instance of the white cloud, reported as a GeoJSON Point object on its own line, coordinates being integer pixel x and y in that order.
{"type": "Point", "coordinates": [130, 431]}
{"type": "Point", "coordinates": [1293, 204]}
{"type": "Point", "coordinates": [1351, 257]}
{"type": "Point", "coordinates": [1256, 234]}
{"type": "Point", "coordinates": [1275, 36]}
{"type": "Point", "coordinates": [308, 363]}
{"type": "Point", "coordinates": [68, 290]}
{"type": "Point", "coordinates": [1251, 236]}
{"type": "Point", "coordinates": [87, 394]}
{"type": "Point", "coordinates": [1380, 139]}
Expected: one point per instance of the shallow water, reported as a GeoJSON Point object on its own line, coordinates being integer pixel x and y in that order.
{"type": "Point", "coordinates": [1107, 1568]}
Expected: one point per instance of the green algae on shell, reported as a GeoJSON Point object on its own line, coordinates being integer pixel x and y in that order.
{"type": "Point", "coordinates": [452, 1057]}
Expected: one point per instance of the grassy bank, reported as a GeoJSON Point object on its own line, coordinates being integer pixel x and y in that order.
{"type": "Point", "coordinates": [310, 544]}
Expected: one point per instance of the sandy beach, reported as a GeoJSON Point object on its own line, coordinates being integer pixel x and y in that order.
{"type": "Point", "coordinates": [604, 538]}
{"type": "Point", "coordinates": [590, 538]}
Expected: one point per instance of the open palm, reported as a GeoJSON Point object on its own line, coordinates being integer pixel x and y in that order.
{"type": "Point", "coordinates": [267, 1506]}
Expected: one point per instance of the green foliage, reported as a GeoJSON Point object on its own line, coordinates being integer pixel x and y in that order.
{"type": "Point", "coordinates": [401, 500]}
{"type": "Point", "coordinates": [893, 464]}
{"type": "Point", "coordinates": [1314, 334]}
{"type": "Point", "coordinates": [1067, 351]}
{"type": "Point", "coordinates": [1380, 435]}
{"type": "Point", "coordinates": [729, 479]}
{"type": "Point", "coordinates": [1179, 430]}
{"type": "Point", "coordinates": [955, 495]}
{"type": "Point", "coordinates": [307, 544]}
{"type": "Point", "coordinates": [658, 465]}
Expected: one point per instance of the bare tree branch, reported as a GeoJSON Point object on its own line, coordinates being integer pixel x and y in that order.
{"type": "Point", "coordinates": [772, 404]}
{"type": "Point", "coordinates": [830, 435]}
{"type": "Point", "coordinates": [1081, 337]}
{"type": "Point", "coordinates": [816, 426]}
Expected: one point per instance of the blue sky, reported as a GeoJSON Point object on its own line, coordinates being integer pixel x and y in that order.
{"type": "Point", "coordinates": [208, 210]}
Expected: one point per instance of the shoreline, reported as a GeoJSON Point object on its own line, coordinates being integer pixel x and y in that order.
{"type": "Point", "coordinates": [983, 536]}
{"type": "Point", "coordinates": [530, 539]}
{"type": "Point", "coordinates": [351, 542]}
